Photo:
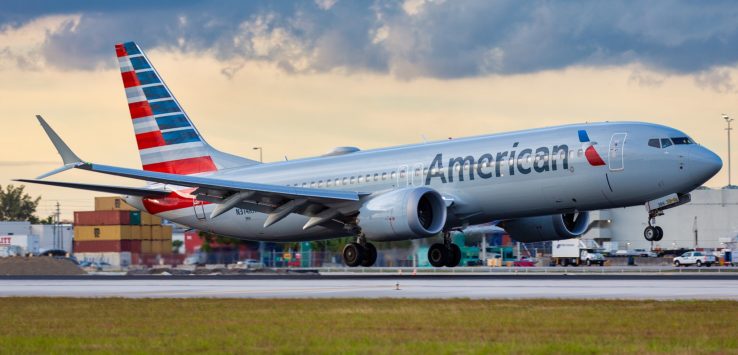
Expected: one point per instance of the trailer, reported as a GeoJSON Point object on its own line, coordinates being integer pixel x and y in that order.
{"type": "Point", "coordinates": [576, 252]}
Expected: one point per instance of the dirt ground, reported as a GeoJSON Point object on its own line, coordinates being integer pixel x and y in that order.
{"type": "Point", "coordinates": [38, 265]}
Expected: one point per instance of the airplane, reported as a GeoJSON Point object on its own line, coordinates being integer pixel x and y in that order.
{"type": "Point", "coordinates": [537, 184]}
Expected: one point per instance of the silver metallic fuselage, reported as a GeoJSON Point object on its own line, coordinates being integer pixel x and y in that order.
{"type": "Point", "coordinates": [560, 179]}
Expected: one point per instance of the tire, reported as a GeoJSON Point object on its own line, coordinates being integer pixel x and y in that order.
{"type": "Point", "coordinates": [589, 262]}
{"type": "Point", "coordinates": [708, 264]}
{"type": "Point", "coordinates": [602, 263]}
{"type": "Point", "coordinates": [437, 255]}
{"type": "Point", "coordinates": [677, 263]}
{"type": "Point", "coordinates": [659, 234]}
{"type": "Point", "coordinates": [370, 255]}
{"type": "Point", "coordinates": [699, 263]}
{"type": "Point", "coordinates": [649, 233]}
{"type": "Point", "coordinates": [353, 254]}
{"type": "Point", "coordinates": [454, 256]}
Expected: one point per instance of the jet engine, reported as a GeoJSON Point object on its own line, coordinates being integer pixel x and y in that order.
{"type": "Point", "coordinates": [553, 227]}
{"type": "Point", "coordinates": [408, 213]}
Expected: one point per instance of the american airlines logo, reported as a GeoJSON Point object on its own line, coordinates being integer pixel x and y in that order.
{"type": "Point", "coordinates": [487, 165]}
{"type": "Point", "coordinates": [524, 161]}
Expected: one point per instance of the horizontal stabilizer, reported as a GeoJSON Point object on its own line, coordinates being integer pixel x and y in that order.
{"type": "Point", "coordinates": [122, 190]}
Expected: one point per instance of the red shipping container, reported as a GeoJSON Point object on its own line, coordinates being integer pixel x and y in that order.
{"type": "Point", "coordinates": [102, 218]}
{"type": "Point", "coordinates": [102, 246]}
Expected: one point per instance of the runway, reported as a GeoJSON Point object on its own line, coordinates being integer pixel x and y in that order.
{"type": "Point", "coordinates": [572, 287]}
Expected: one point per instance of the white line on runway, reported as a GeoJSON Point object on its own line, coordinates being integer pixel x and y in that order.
{"type": "Point", "coordinates": [444, 288]}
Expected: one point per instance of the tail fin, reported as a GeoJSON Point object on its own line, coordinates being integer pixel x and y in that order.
{"type": "Point", "coordinates": [167, 140]}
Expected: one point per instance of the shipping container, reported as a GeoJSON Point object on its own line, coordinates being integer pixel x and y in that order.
{"type": "Point", "coordinates": [115, 259]}
{"type": "Point", "coordinates": [135, 217]}
{"type": "Point", "coordinates": [166, 247]}
{"type": "Point", "coordinates": [98, 246]}
{"type": "Point", "coordinates": [166, 233]}
{"type": "Point", "coordinates": [112, 203]}
{"type": "Point", "coordinates": [156, 232]}
{"type": "Point", "coordinates": [148, 219]}
{"type": "Point", "coordinates": [156, 247]}
{"type": "Point", "coordinates": [102, 218]}
{"type": "Point", "coordinates": [146, 246]}
{"type": "Point", "coordinates": [145, 232]}
{"type": "Point", "coordinates": [136, 232]}
{"type": "Point", "coordinates": [102, 232]}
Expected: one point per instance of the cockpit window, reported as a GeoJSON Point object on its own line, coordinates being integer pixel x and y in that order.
{"type": "Point", "coordinates": [654, 143]}
{"type": "Point", "coordinates": [682, 140]}
{"type": "Point", "coordinates": [665, 142]}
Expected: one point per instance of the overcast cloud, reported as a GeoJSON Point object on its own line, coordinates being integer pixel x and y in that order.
{"type": "Point", "coordinates": [440, 39]}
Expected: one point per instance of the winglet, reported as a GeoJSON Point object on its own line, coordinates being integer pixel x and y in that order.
{"type": "Point", "coordinates": [68, 156]}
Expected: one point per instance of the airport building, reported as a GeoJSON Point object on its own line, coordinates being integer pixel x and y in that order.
{"type": "Point", "coordinates": [710, 220]}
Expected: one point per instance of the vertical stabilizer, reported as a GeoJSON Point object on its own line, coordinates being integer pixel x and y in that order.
{"type": "Point", "coordinates": [167, 140]}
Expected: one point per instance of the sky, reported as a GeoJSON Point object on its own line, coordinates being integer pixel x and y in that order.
{"type": "Point", "coordinates": [298, 78]}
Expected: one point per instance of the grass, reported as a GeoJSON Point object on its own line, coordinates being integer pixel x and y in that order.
{"type": "Point", "coordinates": [61, 325]}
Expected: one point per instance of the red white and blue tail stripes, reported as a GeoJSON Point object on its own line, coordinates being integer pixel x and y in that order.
{"type": "Point", "coordinates": [167, 140]}
{"type": "Point", "coordinates": [590, 152]}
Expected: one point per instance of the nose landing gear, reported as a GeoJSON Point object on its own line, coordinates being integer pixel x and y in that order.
{"type": "Point", "coordinates": [653, 233]}
{"type": "Point", "coordinates": [447, 254]}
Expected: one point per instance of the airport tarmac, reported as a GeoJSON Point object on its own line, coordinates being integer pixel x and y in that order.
{"type": "Point", "coordinates": [577, 287]}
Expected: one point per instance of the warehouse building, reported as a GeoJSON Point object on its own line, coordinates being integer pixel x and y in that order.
{"type": "Point", "coordinates": [710, 220]}
{"type": "Point", "coordinates": [36, 238]}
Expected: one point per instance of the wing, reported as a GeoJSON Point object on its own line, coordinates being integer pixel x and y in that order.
{"type": "Point", "coordinates": [132, 191]}
{"type": "Point", "coordinates": [322, 206]}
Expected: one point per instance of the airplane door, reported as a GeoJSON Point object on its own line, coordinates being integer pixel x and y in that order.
{"type": "Point", "coordinates": [615, 154]}
{"type": "Point", "coordinates": [417, 175]}
{"type": "Point", "coordinates": [199, 209]}
{"type": "Point", "coordinates": [403, 176]}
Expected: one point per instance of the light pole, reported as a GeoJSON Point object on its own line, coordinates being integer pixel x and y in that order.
{"type": "Point", "coordinates": [728, 120]}
{"type": "Point", "coordinates": [261, 151]}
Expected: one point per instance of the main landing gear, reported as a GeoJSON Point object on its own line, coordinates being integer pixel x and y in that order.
{"type": "Point", "coordinates": [360, 252]}
{"type": "Point", "coordinates": [446, 254]}
{"type": "Point", "coordinates": [653, 233]}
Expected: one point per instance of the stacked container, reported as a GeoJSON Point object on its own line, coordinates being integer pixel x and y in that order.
{"type": "Point", "coordinates": [115, 231]}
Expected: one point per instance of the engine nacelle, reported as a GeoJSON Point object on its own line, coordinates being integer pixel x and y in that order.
{"type": "Point", "coordinates": [543, 228]}
{"type": "Point", "coordinates": [408, 213]}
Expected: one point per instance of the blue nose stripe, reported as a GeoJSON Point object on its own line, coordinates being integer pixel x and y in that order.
{"type": "Point", "coordinates": [583, 137]}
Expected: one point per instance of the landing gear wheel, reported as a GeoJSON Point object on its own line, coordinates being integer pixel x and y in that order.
{"type": "Point", "coordinates": [437, 255]}
{"type": "Point", "coordinates": [659, 234]}
{"type": "Point", "coordinates": [370, 255]}
{"type": "Point", "coordinates": [650, 233]}
{"type": "Point", "coordinates": [353, 254]}
{"type": "Point", "coordinates": [454, 256]}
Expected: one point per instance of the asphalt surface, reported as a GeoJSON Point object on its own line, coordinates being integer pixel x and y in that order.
{"type": "Point", "coordinates": [658, 287]}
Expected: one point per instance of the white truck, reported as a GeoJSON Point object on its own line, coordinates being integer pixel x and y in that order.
{"type": "Point", "coordinates": [695, 258]}
{"type": "Point", "coordinates": [575, 252]}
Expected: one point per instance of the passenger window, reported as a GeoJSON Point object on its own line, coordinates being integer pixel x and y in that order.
{"type": "Point", "coordinates": [361, 179]}
{"type": "Point", "coordinates": [654, 142]}
{"type": "Point", "coordinates": [345, 181]}
{"type": "Point", "coordinates": [376, 177]}
{"type": "Point", "coordinates": [351, 181]}
{"type": "Point", "coordinates": [320, 183]}
{"type": "Point", "coordinates": [402, 174]}
{"type": "Point", "coordinates": [665, 142]}
{"type": "Point", "coordinates": [328, 183]}
{"type": "Point", "coordinates": [312, 184]}
{"type": "Point", "coordinates": [384, 176]}
{"type": "Point", "coordinates": [368, 178]}
{"type": "Point", "coordinates": [393, 175]}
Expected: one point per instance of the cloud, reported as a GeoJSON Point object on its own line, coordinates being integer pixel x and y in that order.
{"type": "Point", "coordinates": [410, 39]}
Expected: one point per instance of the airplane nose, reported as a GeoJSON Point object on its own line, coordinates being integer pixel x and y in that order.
{"type": "Point", "coordinates": [705, 163]}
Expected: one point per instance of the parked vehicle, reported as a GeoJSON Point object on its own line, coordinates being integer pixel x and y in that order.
{"type": "Point", "coordinates": [644, 253]}
{"type": "Point", "coordinates": [251, 264]}
{"type": "Point", "coordinates": [575, 252]}
{"type": "Point", "coordinates": [525, 262]}
{"type": "Point", "coordinates": [694, 258]}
